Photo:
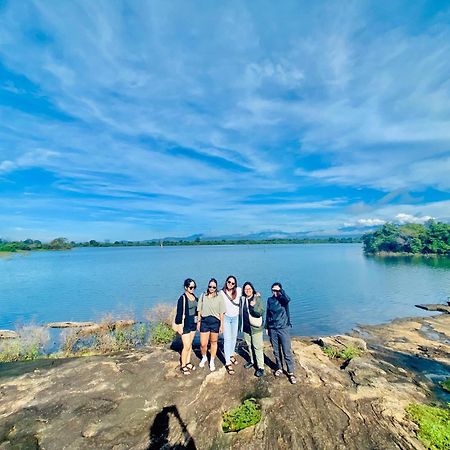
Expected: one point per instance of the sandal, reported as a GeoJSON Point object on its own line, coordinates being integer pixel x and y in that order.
{"type": "Point", "coordinates": [278, 372]}
{"type": "Point", "coordinates": [292, 378]}
{"type": "Point", "coordinates": [230, 369]}
{"type": "Point", "coordinates": [185, 370]}
{"type": "Point", "coordinates": [190, 366]}
{"type": "Point", "coordinates": [234, 360]}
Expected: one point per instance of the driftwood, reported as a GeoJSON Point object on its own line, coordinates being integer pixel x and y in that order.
{"type": "Point", "coordinates": [87, 328]}
{"type": "Point", "coordinates": [70, 324]}
{"type": "Point", "coordinates": [8, 334]}
{"type": "Point", "coordinates": [435, 307]}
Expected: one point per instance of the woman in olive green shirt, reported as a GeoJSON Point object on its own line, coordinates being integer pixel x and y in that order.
{"type": "Point", "coordinates": [211, 308]}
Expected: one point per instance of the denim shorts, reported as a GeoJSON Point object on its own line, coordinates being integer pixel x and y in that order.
{"type": "Point", "coordinates": [209, 323]}
{"type": "Point", "coordinates": [189, 325]}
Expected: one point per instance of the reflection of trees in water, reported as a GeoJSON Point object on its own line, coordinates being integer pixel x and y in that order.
{"type": "Point", "coordinates": [159, 431]}
{"type": "Point", "coordinates": [437, 262]}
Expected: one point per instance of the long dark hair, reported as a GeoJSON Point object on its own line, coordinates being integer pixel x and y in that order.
{"type": "Point", "coordinates": [247, 283]}
{"type": "Point", "coordinates": [234, 290]}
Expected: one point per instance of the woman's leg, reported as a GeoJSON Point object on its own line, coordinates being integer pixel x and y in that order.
{"type": "Point", "coordinates": [191, 339]}
{"type": "Point", "coordinates": [285, 339]}
{"type": "Point", "coordinates": [204, 338]}
{"type": "Point", "coordinates": [213, 349]}
{"type": "Point", "coordinates": [273, 334]}
{"type": "Point", "coordinates": [248, 341]}
{"type": "Point", "coordinates": [258, 346]}
{"type": "Point", "coordinates": [187, 345]}
{"type": "Point", "coordinates": [234, 333]}
{"type": "Point", "coordinates": [227, 339]}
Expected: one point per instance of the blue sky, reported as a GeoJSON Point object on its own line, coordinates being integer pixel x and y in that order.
{"type": "Point", "coordinates": [145, 119]}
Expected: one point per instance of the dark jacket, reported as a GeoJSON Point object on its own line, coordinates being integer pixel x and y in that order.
{"type": "Point", "coordinates": [179, 316]}
{"type": "Point", "coordinates": [278, 311]}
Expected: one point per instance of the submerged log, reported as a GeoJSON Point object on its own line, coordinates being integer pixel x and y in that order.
{"type": "Point", "coordinates": [435, 307]}
{"type": "Point", "coordinates": [8, 334]}
{"type": "Point", "coordinates": [70, 324]}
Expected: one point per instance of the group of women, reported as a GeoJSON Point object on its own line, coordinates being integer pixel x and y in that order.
{"type": "Point", "coordinates": [228, 311]}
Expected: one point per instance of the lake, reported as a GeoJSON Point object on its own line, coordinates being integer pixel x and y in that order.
{"type": "Point", "coordinates": [333, 287]}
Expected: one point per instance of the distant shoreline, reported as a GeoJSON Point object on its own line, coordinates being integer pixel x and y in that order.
{"type": "Point", "coordinates": [16, 246]}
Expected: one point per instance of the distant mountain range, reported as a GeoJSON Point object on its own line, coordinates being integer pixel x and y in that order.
{"type": "Point", "coordinates": [271, 234]}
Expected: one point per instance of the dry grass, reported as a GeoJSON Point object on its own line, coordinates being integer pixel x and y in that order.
{"type": "Point", "coordinates": [30, 344]}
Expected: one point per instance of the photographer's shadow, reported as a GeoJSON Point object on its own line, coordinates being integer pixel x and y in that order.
{"type": "Point", "coordinates": [160, 430]}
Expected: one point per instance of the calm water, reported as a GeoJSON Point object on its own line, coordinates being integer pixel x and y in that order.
{"type": "Point", "coordinates": [333, 287]}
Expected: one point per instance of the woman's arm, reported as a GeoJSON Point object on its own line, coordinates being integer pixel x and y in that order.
{"type": "Point", "coordinates": [180, 307]}
{"type": "Point", "coordinates": [257, 309]}
{"type": "Point", "coordinates": [221, 323]}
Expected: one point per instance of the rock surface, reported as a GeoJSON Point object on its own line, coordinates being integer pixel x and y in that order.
{"type": "Point", "coordinates": [140, 400]}
{"type": "Point", "coordinates": [435, 307]}
{"type": "Point", "coordinates": [8, 334]}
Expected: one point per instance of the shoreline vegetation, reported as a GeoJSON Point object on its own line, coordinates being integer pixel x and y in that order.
{"type": "Point", "coordinates": [411, 239]}
{"type": "Point", "coordinates": [64, 244]}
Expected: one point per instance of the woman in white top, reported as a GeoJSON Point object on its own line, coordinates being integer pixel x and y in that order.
{"type": "Point", "coordinates": [232, 295]}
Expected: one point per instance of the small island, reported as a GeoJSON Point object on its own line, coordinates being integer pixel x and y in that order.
{"type": "Point", "coordinates": [433, 238]}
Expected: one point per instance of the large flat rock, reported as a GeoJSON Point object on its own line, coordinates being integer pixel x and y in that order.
{"type": "Point", "coordinates": [140, 400]}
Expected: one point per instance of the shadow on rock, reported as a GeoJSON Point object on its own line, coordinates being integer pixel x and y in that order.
{"type": "Point", "coordinates": [160, 431]}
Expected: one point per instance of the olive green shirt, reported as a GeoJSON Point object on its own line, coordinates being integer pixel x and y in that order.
{"type": "Point", "coordinates": [211, 306]}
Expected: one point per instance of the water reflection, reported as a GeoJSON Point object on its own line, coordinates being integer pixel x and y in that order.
{"type": "Point", "coordinates": [437, 262]}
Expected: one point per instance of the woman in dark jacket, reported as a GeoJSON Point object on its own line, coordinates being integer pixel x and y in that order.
{"type": "Point", "coordinates": [277, 324]}
{"type": "Point", "coordinates": [186, 321]}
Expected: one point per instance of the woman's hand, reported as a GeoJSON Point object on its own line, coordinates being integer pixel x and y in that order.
{"type": "Point", "coordinates": [221, 329]}
{"type": "Point", "coordinates": [180, 330]}
{"type": "Point", "coordinates": [198, 325]}
{"type": "Point", "coordinates": [253, 302]}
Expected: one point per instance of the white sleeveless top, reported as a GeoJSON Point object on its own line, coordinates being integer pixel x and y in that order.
{"type": "Point", "coordinates": [231, 309]}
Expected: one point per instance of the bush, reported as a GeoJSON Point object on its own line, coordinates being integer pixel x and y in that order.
{"type": "Point", "coordinates": [446, 385]}
{"type": "Point", "coordinates": [30, 344]}
{"type": "Point", "coordinates": [434, 425]}
{"type": "Point", "coordinates": [161, 333]}
{"type": "Point", "coordinates": [109, 336]}
{"type": "Point", "coordinates": [347, 354]}
{"type": "Point", "coordinates": [245, 415]}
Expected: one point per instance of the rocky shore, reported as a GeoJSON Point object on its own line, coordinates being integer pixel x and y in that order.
{"type": "Point", "coordinates": [140, 400]}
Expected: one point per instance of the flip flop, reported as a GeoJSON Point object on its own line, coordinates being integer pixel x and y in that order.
{"type": "Point", "coordinates": [278, 372]}
{"type": "Point", "coordinates": [185, 370]}
{"type": "Point", "coordinates": [234, 360]}
{"type": "Point", "coordinates": [292, 378]}
{"type": "Point", "coordinates": [230, 369]}
{"type": "Point", "coordinates": [190, 366]}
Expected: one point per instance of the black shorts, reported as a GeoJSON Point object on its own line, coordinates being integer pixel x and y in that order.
{"type": "Point", "coordinates": [189, 325]}
{"type": "Point", "coordinates": [209, 323]}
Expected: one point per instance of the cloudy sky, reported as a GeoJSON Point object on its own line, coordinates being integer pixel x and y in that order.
{"type": "Point", "coordinates": [144, 119]}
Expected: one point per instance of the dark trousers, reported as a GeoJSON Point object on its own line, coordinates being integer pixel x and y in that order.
{"type": "Point", "coordinates": [281, 344]}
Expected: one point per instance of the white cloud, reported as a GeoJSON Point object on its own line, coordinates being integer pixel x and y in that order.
{"type": "Point", "coordinates": [408, 218]}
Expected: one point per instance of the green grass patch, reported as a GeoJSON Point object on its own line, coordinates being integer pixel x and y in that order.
{"type": "Point", "coordinates": [434, 425]}
{"type": "Point", "coordinates": [446, 385]}
{"type": "Point", "coordinates": [161, 333]}
{"type": "Point", "coordinates": [346, 354]}
{"type": "Point", "coordinates": [245, 415]}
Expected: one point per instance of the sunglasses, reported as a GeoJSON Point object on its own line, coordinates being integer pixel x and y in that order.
{"type": "Point", "coordinates": [192, 287]}
{"type": "Point", "coordinates": [276, 290]}
{"type": "Point", "coordinates": [231, 282]}
{"type": "Point", "coordinates": [212, 287]}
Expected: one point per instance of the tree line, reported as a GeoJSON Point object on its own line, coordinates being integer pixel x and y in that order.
{"type": "Point", "coordinates": [412, 238]}
{"type": "Point", "coordinates": [64, 244]}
